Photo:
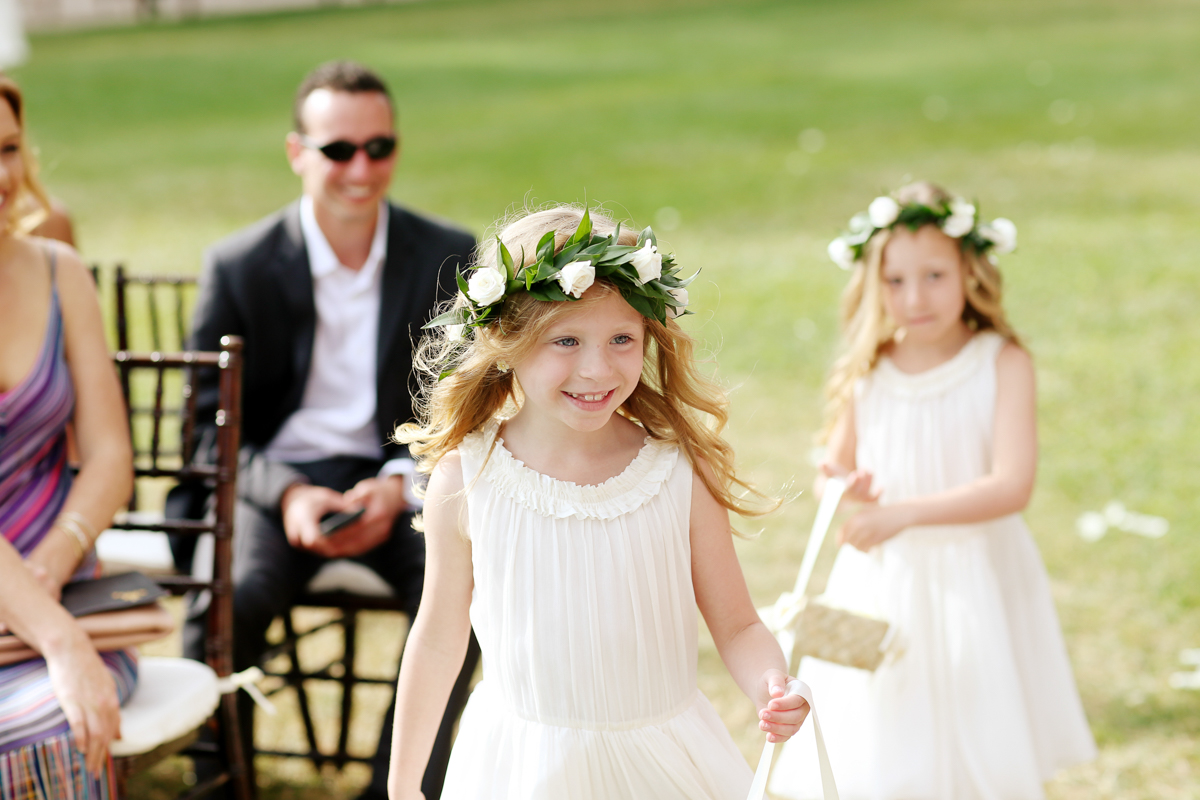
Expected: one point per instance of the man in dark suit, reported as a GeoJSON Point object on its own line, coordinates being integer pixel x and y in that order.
{"type": "Point", "coordinates": [328, 295]}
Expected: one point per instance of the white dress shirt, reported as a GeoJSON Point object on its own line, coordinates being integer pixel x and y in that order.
{"type": "Point", "coordinates": [337, 413]}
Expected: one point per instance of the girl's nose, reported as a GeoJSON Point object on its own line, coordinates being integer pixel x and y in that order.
{"type": "Point", "coordinates": [595, 364]}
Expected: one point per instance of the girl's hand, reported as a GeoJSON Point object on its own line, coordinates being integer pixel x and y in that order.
{"type": "Point", "coordinates": [858, 482]}
{"type": "Point", "coordinates": [782, 715]}
{"type": "Point", "coordinates": [872, 526]}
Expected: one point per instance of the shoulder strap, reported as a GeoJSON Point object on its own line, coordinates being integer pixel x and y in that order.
{"type": "Point", "coordinates": [52, 259]}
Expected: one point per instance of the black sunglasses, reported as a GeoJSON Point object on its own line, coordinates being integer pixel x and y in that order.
{"type": "Point", "coordinates": [376, 149]}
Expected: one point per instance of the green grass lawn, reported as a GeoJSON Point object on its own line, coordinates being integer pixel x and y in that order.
{"type": "Point", "coordinates": [1075, 119]}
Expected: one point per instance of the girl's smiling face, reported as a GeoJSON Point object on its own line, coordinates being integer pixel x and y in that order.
{"type": "Point", "coordinates": [585, 365]}
{"type": "Point", "coordinates": [922, 276]}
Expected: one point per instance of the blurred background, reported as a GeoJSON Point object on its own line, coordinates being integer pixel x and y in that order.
{"type": "Point", "coordinates": [747, 133]}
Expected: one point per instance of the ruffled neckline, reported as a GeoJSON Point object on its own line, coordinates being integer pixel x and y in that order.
{"type": "Point", "coordinates": [637, 484]}
{"type": "Point", "coordinates": [981, 348]}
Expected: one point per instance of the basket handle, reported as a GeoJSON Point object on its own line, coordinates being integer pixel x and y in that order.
{"type": "Point", "coordinates": [758, 789]}
{"type": "Point", "coordinates": [834, 488]}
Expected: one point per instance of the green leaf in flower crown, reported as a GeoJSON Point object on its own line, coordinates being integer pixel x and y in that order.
{"type": "Point", "coordinates": [545, 247]}
{"type": "Point", "coordinates": [507, 260]}
{"type": "Point", "coordinates": [455, 316]}
{"type": "Point", "coordinates": [549, 292]}
{"type": "Point", "coordinates": [583, 231]}
{"type": "Point", "coordinates": [644, 305]}
{"type": "Point", "coordinates": [462, 282]}
{"type": "Point", "coordinates": [648, 233]}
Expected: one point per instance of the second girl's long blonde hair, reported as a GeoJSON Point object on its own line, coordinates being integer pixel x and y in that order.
{"type": "Point", "coordinates": [467, 380]}
{"type": "Point", "coordinates": [866, 327]}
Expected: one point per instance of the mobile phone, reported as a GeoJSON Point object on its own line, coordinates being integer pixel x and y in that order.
{"type": "Point", "coordinates": [332, 523]}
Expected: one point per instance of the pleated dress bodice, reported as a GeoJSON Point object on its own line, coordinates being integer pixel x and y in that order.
{"type": "Point", "coordinates": [586, 617]}
{"type": "Point", "coordinates": [584, 610]}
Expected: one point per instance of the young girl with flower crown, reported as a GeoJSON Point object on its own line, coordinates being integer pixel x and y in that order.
{"type": "Point", "coordinates": [932, 425]}
{"type": "Point", "coordinates": [576, 515]}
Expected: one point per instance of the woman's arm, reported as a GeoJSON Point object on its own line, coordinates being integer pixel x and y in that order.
{"type": "Point", "coordinates": [81, 682]}
{"type": "Point", "coordinates": [105, 476]}
{"type": "Point", "coordinates": [437, 643]}
{"type": "Point", "coordinates": [749, 650]}
{"type": "Point", "coordinates": [1006, 488]}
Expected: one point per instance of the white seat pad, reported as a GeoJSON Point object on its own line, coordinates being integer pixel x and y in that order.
{"type": "Point", "coordinates": [173, 696]}
{"type": "Point", "coordinates": [343, 575]}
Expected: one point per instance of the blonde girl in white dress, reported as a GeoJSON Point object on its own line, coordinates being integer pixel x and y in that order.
{"type": "Point", "coordinates": [579, 534]}
{"type": "Point", "coordinates": [933, 426]}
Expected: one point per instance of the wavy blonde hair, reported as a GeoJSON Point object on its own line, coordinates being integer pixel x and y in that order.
{"type": "Point", "coordinates": [31, 204]}
{"type": "Point", "coordinates": [466, 381]}
{"type": "Point", "coordinates": [866, 327]}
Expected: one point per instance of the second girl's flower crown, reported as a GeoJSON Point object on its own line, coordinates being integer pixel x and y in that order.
{"type": "Point", "coordinates": [647, 280]}
{"type": "Point", "coordinates": [955, 217]}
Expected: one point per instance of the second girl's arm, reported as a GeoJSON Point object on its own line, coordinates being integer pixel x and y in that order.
{"type": "Point", "coordinates": [105, 477]}
{"type": "Point", "coordinates": [747, 647]}
{"type": "Point", "coordinates": [437, 643]}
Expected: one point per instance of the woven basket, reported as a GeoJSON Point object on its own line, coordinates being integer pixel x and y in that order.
{"type": "Point", "coordinates": [840, 636]}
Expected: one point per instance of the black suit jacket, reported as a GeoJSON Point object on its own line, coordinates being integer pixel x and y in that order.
{"type": "Point", "coordinates": [257, 284]}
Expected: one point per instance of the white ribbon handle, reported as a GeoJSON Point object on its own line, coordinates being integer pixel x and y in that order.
{"type": "Point", "coordinates": [758, 789]}
{"type": "Point", "coordinates": [247, 680]}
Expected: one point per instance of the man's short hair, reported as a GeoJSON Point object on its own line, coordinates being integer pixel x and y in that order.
{"type": "Point", "coordinates": [337, 76]}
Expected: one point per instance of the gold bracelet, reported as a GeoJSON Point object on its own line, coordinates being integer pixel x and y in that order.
{"type": "Point", "coordinates": [71, 527]}
{"type": "Point", "coordinates": [89, 530]}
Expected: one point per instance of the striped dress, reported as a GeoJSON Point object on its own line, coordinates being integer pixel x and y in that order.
{"type": "Point", "coordinates": [38, 758]}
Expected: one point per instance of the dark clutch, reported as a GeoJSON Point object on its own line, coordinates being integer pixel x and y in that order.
{"type": "Point", "coordinates": [110, 593]}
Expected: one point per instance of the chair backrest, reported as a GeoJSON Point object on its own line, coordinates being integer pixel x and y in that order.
{"type": "Point", "coordinates": [153, 311]}
{"type": "Point", "coordinates": [162, 415]}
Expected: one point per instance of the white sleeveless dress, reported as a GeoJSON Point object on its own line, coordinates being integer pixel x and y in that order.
{"type": "Point", "coordinates": [981, 703]}
{"type": "Point", "coordinates": [584, 609]}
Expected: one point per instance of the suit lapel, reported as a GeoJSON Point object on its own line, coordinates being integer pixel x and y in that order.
{"type": "Point", "coordinates": [294, 279]}
{"type": "Point", "coordinates": [396, 293]}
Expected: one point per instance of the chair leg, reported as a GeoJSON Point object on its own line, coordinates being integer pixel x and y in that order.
{"type": "Point", "coordinates": [349, 678]}
{"type": "Point", "coordinates": [295, 677]}
{"type": "Point", "coordinates": [235, 753]}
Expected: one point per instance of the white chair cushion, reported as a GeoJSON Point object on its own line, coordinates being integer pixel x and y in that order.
{"type": "Point", "coordinates": [343, 575]}
{"type": "Point", "coordinates": [173, 696]}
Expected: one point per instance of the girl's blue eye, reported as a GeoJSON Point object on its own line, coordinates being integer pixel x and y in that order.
{"type": "Point", "coordinates": [622, 339]}
{"type": "Point", "coordinates": [9, 149]}
{"type": "Point", "coordinates": [567, 341]}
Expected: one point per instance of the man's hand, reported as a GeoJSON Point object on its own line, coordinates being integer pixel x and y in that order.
{"type": "Point", "coordinates": [383, 500]}
{"type": "Point", "coordinates": [302, 507]}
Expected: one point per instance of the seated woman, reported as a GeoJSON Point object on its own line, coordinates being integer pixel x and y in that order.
{"type": "Point", "coordinates": [58, 713]}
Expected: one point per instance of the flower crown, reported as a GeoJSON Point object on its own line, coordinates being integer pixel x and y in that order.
{"type": "Point", "coordinates": [647, 280]}
{"type": "Point", "coordinates": [955, 217]}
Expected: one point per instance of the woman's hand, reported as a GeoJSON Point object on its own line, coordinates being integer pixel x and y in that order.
{"type": "Point", "coordinates": [88, 696]}
{"type": "Point", "coordinates": [873, 525]}
{"type": "Point", "coordinates": [783, 714]}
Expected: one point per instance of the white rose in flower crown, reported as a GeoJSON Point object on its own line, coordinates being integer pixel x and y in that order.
{"type": "Point", "coordinates": [961, 219]}
{"type": "Point", "coordinates": [681, 296]}
{"type": "Point", "coordinates": [1002, 233]}
{"type": "Point", "coordinates": [883, 211]}
{"type": "Point", "coordinates": [576, 277]}
{"type": "Point", "coordinates": [647, 262]}
{"type": "Point", "coordinates": [485, 286]}
{"type": "Point", "coordinates": [841, 253]}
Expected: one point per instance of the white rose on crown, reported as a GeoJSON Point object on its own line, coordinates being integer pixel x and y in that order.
{"type": "Point", "coordinates": [576, 277]}
{"type": "Point", "coordinates": [1002, 233]}
{"type": "Point", "coordinates": [841, 253]}
{"type": "Point", "coordinates": [648, 263]}
{"type": "Point", "coordinates": [883, 211]}
{"type": "Point", "coordinates": [961, 219]}
{"type": "Point", "coordinates": [680, 295]}
{"type": "Point", "coordinates": [485, 286]}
